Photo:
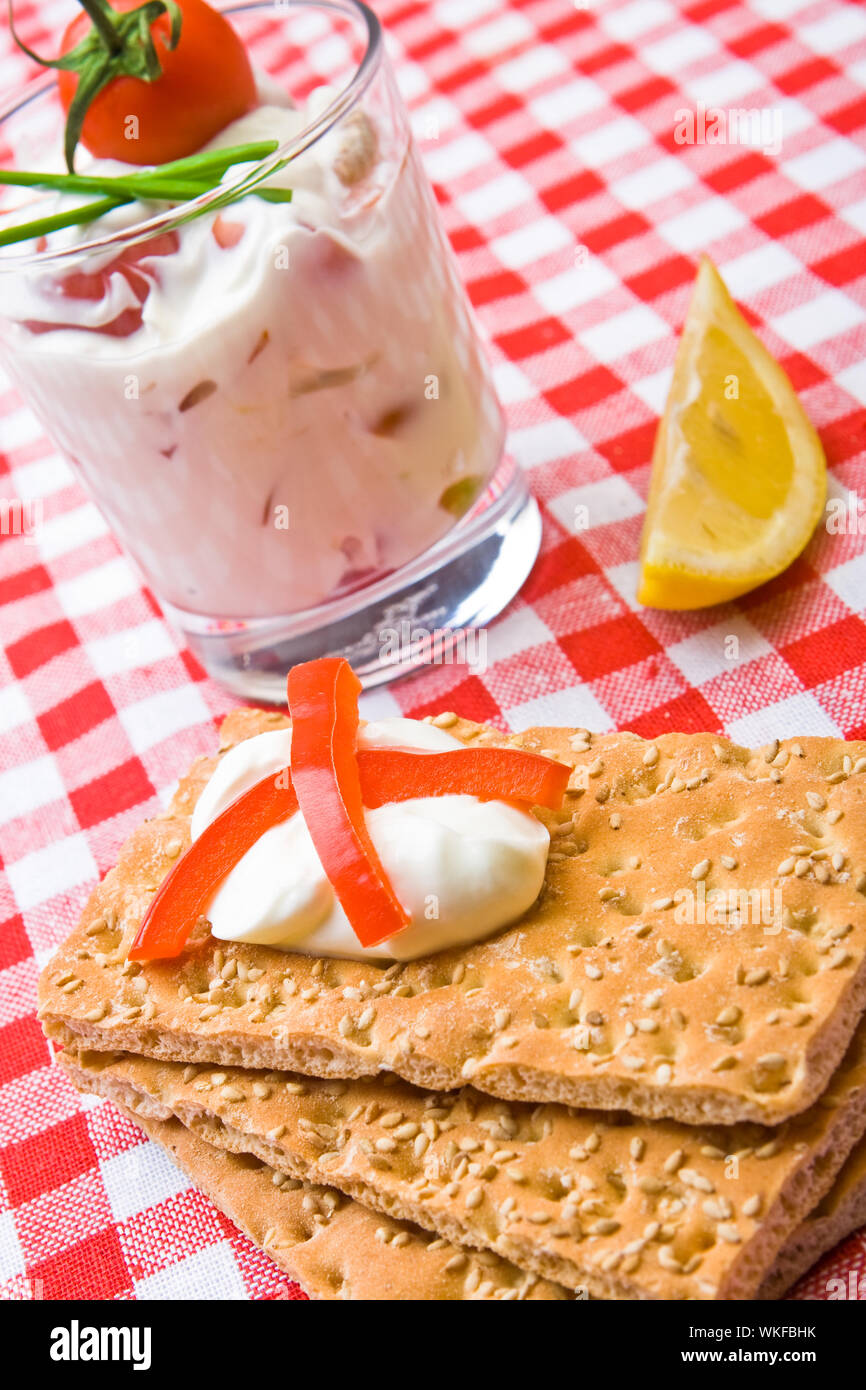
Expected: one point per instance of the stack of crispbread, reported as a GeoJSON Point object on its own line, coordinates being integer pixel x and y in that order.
{"type": "Point", "coordinates": [652, 1086]}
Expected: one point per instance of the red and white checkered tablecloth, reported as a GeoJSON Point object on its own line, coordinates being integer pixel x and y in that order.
{"type": "Point", "coordinates": [548, 127]}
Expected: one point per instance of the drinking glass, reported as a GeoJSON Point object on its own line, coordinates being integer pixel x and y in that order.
{"type": "Point", "coordinates": [283, 410]}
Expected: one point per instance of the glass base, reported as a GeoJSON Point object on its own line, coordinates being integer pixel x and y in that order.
{"type": "Point", "coordinates": [419, 615]}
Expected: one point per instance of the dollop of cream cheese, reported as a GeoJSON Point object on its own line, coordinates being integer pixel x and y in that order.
{"type": "Point", "coordinates": [462, 868]}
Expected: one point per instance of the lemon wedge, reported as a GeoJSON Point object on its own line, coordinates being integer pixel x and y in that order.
{"type": "Point", "coordinates": [739, 477]}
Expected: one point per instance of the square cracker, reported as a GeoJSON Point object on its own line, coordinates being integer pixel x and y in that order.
{"type": "Point", "coordinates": [842, 1211]}
{"type": "Point", "coordinates": [325, 1244]}
{"type": "Point", "coordinates": [623, 1208]}
{"type": "Point", "coordinates": [600, 996]}
{"type": "Point", "coordinates": [331, 1245]}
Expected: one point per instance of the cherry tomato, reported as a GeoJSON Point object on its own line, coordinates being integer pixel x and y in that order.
{"type": "Point", "coordinates": [206, 83]}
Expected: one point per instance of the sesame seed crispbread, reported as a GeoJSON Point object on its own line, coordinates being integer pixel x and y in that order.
{"type": "Point", "coordinates": [600, 996]}
{"type": "Point", "coordinates": [333, 1247]}
{"type": "Point", "coordinates": [624, 1208]}
{"type": "Point", "coordinates": [842, 1211]}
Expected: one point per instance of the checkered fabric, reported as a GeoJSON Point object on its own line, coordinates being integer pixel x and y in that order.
{"type": "Point", "coordinates": [548, 128]}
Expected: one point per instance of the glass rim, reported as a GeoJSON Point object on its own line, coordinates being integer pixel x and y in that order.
{"type": "Point", "coordinates": [179, 213]}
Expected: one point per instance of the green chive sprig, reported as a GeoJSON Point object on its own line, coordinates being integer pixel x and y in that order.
{"type": "Point", "coordinates": [176, 182]}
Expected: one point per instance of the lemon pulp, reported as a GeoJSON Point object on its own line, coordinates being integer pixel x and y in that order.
{"type": "Point", "coordinates": [739, 477]}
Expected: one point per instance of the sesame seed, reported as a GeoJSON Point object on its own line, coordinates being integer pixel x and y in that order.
{"type": "Point", "coordinates": [717, 1208]}
{"type": "Point", "coordinates": [772, 1061]}
{"type": "Point", "coordinates": [605, 1227]}
{"type": "Point", "coordinates": [816, 801]}
{"type": "Point", "coordinates": [768, 1150]}
{"type": "Point", "coordinates": [651, 756]}
{"type": "Point", "coordinates": [729, 1016]}
{"type": "Point", "coordinates": [724, 1063]}
{"type": "Point", "coordinates": [757, 977]}
{"type": "Point", "coordinates": [838, 958]}
{"type": "Point", "coordinates": [695, 1180]}
{"type": "Point", "coordinates": [651, 1186]}
{"type": "Point", "coordinates": [444, 721]}
{"type": "Point", "coordinates": [701, 870]}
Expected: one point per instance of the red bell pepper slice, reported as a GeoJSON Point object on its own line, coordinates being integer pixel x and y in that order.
{"type": "Point", "coordinates": [184, 895]}
{"type": "Point", "coordinates": [323, 703]}
{"type": "Point", "coordinates": [493, 774]}
{"type": "Point", "coordinates": [332, 782]}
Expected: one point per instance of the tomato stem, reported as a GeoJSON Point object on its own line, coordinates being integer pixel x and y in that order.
{"type": "Point", "coordinates": [117, 45]}
{"type": "Point", "coordinates": [99, 11]}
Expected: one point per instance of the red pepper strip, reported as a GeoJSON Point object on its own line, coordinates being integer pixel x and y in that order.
{"type": "Point", "coordinates": [493, 774]}
{"type": "Point", "coordinates": [323, 703]}
{"type": "Point", "coordinates": [185, 894]}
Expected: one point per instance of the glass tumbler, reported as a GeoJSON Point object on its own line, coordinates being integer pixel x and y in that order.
{"type": "Point", "coordinates": [282, 409]}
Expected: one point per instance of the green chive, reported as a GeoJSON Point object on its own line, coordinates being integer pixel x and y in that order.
{"type": "Point", "coordinates": [132, 187]}
{"type": "Point", "coordinates": [86, 212]}
{"type": "Point", "coordinates": [178, 181]}
{"type": "Point", "coordinates": [219, 159]}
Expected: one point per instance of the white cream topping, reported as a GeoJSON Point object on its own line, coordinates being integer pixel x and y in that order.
{"type": "Point", "coordinates": [462, 868]}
